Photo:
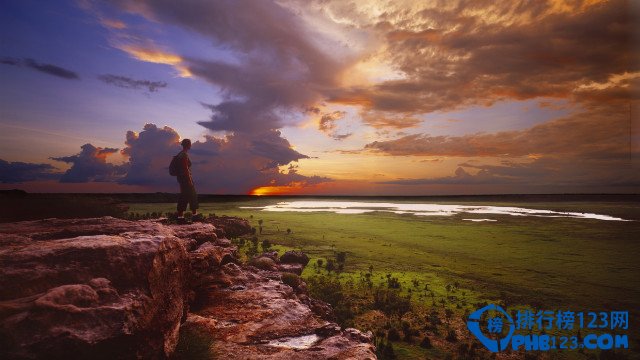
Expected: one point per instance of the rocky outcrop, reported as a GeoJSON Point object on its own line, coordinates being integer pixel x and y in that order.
{"type": "Point", "coordinates": [116, 289]}
{"type": "Point", "coordinates": [257, 316]}
{"type": "Point", "coordinates": [92, 287]}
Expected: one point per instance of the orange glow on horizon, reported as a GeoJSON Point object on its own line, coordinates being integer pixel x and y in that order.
{"type": "Point", "coordinates": [276, 190]}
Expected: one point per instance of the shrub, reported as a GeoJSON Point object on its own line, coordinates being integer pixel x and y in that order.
{"type": "Point", "coordinates": [451, 336]}
{"type": "Point", "coordinates": [263, 263]}
{"type": "Point", "coordinates": [391, 302]}
{"type": "Point", "coordinates": [426, 343]}
{"type": "Point", "coordinates": [326, 289]}
{"type": "Point", "coordinates": [387, 352]}
{"type": "Point", "coordinates": [193, 344]}
{"type": "Point", "coordinates": [330, 265]}
{"type": "Point", "coordinates": [291, 279]}
{"type": "Point", "coordinates": [393, 334]}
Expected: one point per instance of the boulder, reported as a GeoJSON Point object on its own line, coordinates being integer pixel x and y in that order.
{"type": "Point", "coordinates": [294, 257]}
{"type": "Point", "coordinates": [291, 268]}
{"type": "Point", "coordinates": [230, 227]}
{"type": "Point", "coordinates": [273, 255]}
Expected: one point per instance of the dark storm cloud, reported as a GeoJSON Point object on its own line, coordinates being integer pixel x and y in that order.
{"type": "Point", "coordinates": [278, 71]}
{"type": "Point", "coordinates": [476, 52]}
{"type": "Point", "coordinates": [271, 145]}
{"type": "Point", "coordinates": [235, 164]}
{"type": "Point", "coordinates": [44, 68]}
{"type": "Point", "coordinates": [17, 172]}
{"type": "Point", "coordinates": [150, 153]}
{"type": "Point", "coordinates": [129, 83]}
{"type": "Point", "coordinates": [90, 165]}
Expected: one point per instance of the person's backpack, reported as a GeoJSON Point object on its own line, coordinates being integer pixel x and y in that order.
{"type": "Point", "coordinates": [174, 166]}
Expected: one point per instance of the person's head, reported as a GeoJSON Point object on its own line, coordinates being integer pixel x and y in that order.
{"type": "Point", "coordinates": [186, 144]}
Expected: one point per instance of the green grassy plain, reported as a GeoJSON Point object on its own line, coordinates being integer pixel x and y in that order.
{"type": "Point", "coordinates": [545, 263]}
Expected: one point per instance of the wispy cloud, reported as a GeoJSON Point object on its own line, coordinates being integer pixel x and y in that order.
{"type": "Point", "coordinates": [129, 83]}
{"type": "Point", "coordinates": [327, 124]}
{"type": "Point", "coordinates": [44, 68]}
{"type": "Point", "coordinates": [112, 23]}
{"type": "Point", "coordinates": [601, 132]}
{"type": "Point", "coordinates": [157, 56]}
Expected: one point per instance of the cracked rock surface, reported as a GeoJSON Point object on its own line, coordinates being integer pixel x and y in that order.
{"type": "Point", "coordinates": [107, 288]}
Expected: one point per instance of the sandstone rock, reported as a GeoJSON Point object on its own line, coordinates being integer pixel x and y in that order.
{"type": "Point", "coordinates": [199, 232]}
{"type": "Point", "coordinates": [107, 288]}
{"type": "Point", "coordinates": [259, 317]}
{"type": "Point", "coordinates": [320, 308]}
{"type": "Point", "coordinates": [273, 255]}
{"type": "Point", "coordinates": [291, 268]}
{"type": "Point", "coordinates": [294, 257]}
{"type": "Point", "coordinates": [230, 227]}
{"type": "Point", "coordinates": [90, 288]}
{"type": "Point", "coordinates": [264, 263]}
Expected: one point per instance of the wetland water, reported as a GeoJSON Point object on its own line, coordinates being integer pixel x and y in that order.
{"type": "Point", "coordinates": [418, 209]}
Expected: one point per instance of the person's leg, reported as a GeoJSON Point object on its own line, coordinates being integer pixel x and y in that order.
{"type": "Point", "coordinates": [193, 201]}
{"type": "Point", "coordinates": [183, 199]}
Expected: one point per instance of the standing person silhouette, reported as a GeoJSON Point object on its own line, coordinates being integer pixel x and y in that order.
{"type": "Point", "coordinates": [187, 190]}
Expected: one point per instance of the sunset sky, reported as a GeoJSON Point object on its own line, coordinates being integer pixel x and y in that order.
{"type": "Point", "coordinates": [321, 97]}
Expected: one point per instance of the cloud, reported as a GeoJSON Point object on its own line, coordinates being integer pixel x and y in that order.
{"type": "Point", "coordinates": [129, 83]}
{"type": "Point", "coordinates": [460, 177]}
{"type": "Point", "coordinates": [112, 23]}
{"type": "Point", "coordinates": [91, 165]}
{"type": "Point", "coordinates": [379, 120]}
{"type": "Point", "coordinates": [550, 172]}
{"type": "Point", "coordinates": [281, 62]}
{"type": "Point", "coordinates": [594, 148]}
{"type": "Point", "coordinates": [157, 56]}
{"type": "Point", "coordinates": [277, 70]}
{"type": "Point", "coordinates": [150, 153]}
{"type": "Point", "coordinates": [468, 52]}
{"type": "Point", "coordinates": [288, 56]}
{"type": "Point", "coordinates": [234, 164]}
{"type": "Point", "coordinates": [602, 132]}
{"type": "Point", "coordinates": [327, 124]}
{"type": "Point", "coordinates": [44, 68]}
{"type": "Point", "coordinates": [18, 172]}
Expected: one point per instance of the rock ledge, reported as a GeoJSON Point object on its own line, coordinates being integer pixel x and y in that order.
{"type": "Point", "coordinates": [116, 289]}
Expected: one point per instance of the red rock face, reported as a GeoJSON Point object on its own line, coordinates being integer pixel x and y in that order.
{"type": "Point", "coordinates": [253, 315]}
{"type": "Point", "coordinates": [106, 288]}
{"type": "Point", "coordinates": [94, 287]}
